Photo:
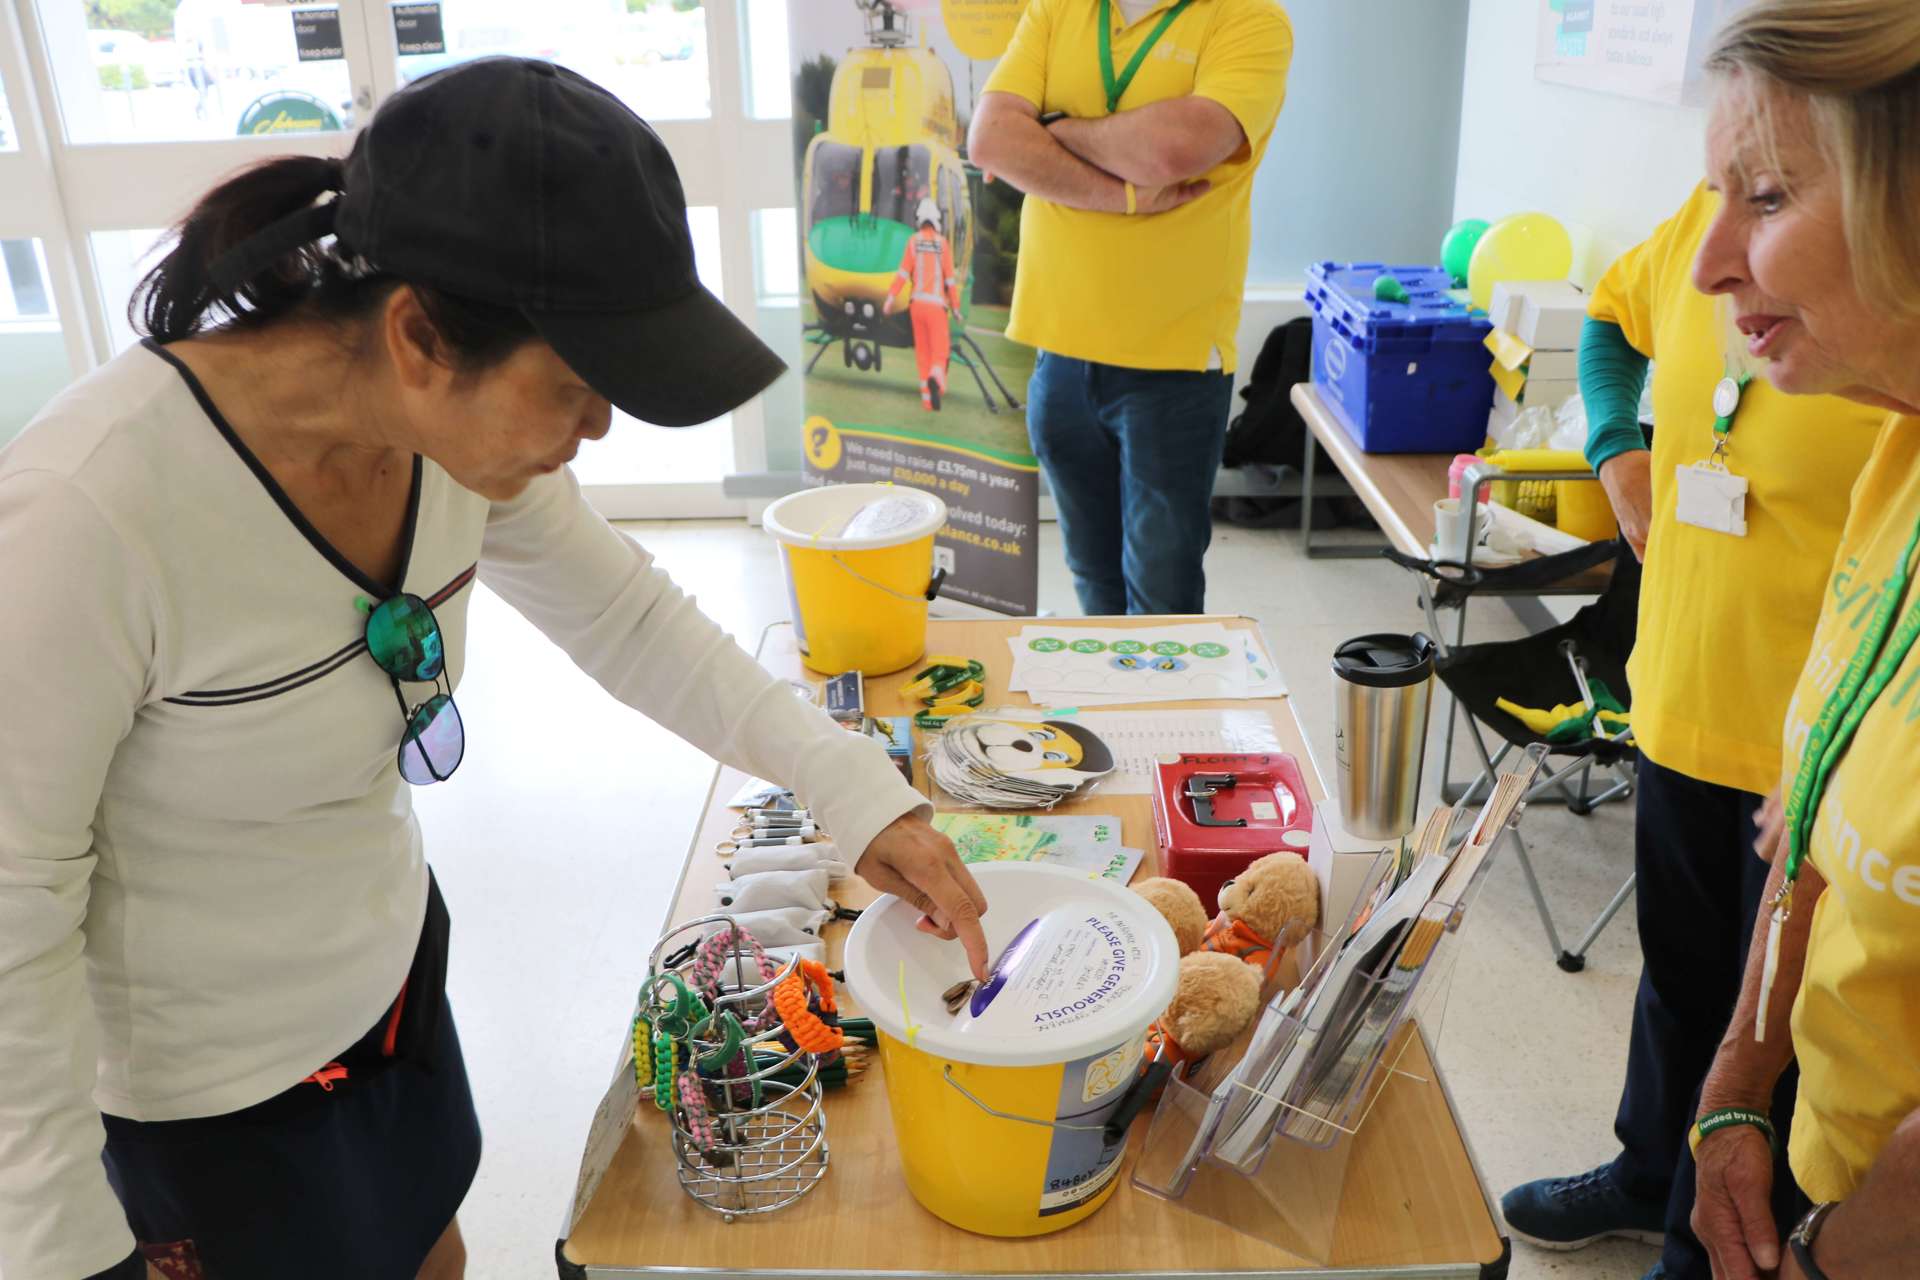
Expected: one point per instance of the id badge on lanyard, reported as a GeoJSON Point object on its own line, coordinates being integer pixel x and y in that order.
{"type": "Point", "coordinates": [1709, 496]}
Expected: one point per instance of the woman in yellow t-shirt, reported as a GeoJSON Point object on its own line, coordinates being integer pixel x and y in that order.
{"type": "Point", "coordinates": [1713, 666]}
{"type": "Point", "coordinates": [1815, 146]}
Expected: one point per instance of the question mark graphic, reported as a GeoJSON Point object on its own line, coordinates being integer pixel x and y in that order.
{"type": "Point", "coordinates": [819, 440]}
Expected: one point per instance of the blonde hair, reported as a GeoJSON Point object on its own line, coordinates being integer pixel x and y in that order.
{"type": "Point", "coordinates": [1856, 66]}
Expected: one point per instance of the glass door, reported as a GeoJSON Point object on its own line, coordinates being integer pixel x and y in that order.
{"type": "Point", "coordinates": [115, 116]}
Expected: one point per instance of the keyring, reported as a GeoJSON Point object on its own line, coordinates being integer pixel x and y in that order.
{"type": "Point", "coordinates": [809, 1031]}
{"type": "Point", "coordinates": [678, 1018]}
{"type": "Point", "coordinates": [744, 832]}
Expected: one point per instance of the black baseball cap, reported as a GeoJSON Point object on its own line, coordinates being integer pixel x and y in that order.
{"type": "Point", "coordinates": [520, 183]}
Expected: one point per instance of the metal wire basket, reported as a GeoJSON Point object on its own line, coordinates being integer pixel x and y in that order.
{"type": "Point", "coordinates": [756, 1140]}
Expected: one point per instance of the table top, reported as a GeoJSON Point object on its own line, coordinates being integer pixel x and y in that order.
{"type": "Point", "coordinates": [1399, 489]}
{"type": "Point", "coordinates": [1413, 1200]}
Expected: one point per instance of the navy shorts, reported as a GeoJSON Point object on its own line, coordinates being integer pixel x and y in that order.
{"type": "Point", "coordinates": [358, 1177]}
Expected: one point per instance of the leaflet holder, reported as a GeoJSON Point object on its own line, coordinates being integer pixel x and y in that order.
{"type": "Point", "coordinates": [1271, 1160]}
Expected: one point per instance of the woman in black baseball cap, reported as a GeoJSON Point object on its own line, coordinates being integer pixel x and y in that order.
{"type": "Point", "coordinates": [237, 561]}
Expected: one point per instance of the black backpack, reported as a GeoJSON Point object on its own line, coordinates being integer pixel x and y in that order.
{"type": "Point", "coordinates": [1269, 432]}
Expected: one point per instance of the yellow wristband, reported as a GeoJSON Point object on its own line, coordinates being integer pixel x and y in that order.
{"type": "Point", "coordinates": [1132, 205]}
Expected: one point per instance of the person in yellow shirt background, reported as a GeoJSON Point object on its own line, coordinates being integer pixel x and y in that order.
{"type": "Point", "coordinates": [1726, 610]}
{"type": "Point", "coordinates": [1135, 128]}
{"type": "Point", "coordinates": [1817, 247]}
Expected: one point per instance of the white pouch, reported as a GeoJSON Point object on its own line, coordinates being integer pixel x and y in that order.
{"type": "Point", "coordinates": [784, 927]}
{"type": "Point", "coordinates": [805, 857]}
{"type": "Point", "coordinates": [770, 890]}
{"type": "Point", "coordinates": [814, 951]}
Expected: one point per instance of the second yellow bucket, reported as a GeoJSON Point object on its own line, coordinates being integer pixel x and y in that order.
{"type": "Point", "coordinates": [1000, 1109]}
{"type": "Point", "coordinates": [860, 572]}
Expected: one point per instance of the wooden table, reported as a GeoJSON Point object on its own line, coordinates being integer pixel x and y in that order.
{"type": "Point", "coordinates": [1399, 490]}
{"type": "Point", "coordinates": [1415, 1205]}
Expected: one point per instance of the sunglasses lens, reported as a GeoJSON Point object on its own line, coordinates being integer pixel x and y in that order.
{"type": "Point", "coordinates": [435, 742]}
{"type": "Point", "coordinates": [404, 639]}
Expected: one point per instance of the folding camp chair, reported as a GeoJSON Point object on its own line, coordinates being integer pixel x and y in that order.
{"type": "Point", "coordinates": [1535, 672]}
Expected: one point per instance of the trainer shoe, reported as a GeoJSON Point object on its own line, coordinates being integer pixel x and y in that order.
{"type": "Point", "coordinates": [933, 392]}
{"type": "Point", "coordinates": [1570, 1213]}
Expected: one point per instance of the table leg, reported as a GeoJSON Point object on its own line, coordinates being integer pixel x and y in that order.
{"type": "Point", "coordinates": [1309, 455]}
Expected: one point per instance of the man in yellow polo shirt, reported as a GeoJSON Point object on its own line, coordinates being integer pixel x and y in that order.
{"type": "Point", "coordinates": [1135, 128]}
{"type": "Point", "coordinates": [1737, 509]}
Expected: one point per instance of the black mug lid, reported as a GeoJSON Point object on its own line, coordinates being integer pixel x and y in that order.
{"type": "Point", "coordinates": [1385, 661]}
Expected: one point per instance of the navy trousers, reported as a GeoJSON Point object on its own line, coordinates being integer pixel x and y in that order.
{"type": "Point", "coordinates": [1697, 895]}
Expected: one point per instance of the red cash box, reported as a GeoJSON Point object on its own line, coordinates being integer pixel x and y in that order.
{"type": "Point", "coordinates": [1215, 815]}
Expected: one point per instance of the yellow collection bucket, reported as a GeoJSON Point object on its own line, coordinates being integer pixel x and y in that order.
{"type": "Point", "coordinates": [859, 561]}
{"type": "Point", "coordinates": [1001, 1109]}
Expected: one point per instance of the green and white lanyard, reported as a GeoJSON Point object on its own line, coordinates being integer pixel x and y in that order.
{"type": "Point", "coordinates": [1869, 671]}
{"type": "Point", "coordinates": [1116, 89]}
{"type": "Point", "coordinates": [1727, 395]}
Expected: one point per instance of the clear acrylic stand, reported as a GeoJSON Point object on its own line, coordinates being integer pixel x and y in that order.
{"type": "Point", "coordinates": [1261, 1137]}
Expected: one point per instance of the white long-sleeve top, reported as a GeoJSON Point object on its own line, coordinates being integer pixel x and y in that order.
{"type": "Point", "coordinates": [211, 878]}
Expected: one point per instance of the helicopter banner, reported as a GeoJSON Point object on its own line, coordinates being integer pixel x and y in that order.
{"type": "Point", "coordinates": [908, 252]}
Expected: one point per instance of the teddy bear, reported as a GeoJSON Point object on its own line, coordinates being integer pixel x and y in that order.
{"type": "Point", "coordinates": [1225, 962]}
{"type": "Point", "coordinates": [1216, 995]}
{"type": "Point", "coordinates": [1180, 905]}
{"type": "Point", "coordinates": [1215, 998]}
{"type": "Point", "coordinates": [1264, 910]}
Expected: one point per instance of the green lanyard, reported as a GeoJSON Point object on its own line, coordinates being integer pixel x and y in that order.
{"type": "Point", "coordinates": [1868, 673]}
{"type": "Point", "coordinates": [1117, 88]}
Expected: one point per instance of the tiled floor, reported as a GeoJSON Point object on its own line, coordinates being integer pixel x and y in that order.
{"type": "Point", "coordinates": [558, 845]}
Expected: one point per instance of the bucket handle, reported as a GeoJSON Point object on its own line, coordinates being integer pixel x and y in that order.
{"type": "Point", "coordinates": [933, 587]}
{"type": "Point", "coordinates": [947, 1071]}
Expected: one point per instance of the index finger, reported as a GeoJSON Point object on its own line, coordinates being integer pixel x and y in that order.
{"type": "Point", "coordinates": [960, 901]}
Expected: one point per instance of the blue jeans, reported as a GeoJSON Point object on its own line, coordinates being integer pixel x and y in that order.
{"type": "Point", "coordinates": [1131, 456]}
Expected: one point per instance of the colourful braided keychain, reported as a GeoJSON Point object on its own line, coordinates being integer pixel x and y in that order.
{"type": "Point", "coordinates": [716, 952]}
{"type": "Point", "coordinates": [666, 1057]}
{"type": "Point", "coordinates": [693, 1107]}
{"type": "Point", "coordinates": [810, 1031]}
{"type": "Point", "coordinates": [670, 1026]}
{"type": "Point", "coordinates": [642, 1052]}
{"type": "Point", "coordinates": [729, 1058]}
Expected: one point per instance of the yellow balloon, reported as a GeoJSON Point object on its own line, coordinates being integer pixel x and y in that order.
{"type": "Point", "coordinates": [1527, 246]}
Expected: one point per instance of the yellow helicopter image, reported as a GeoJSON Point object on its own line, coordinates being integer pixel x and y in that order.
{"type": "Point", "coordinates": [891, 142]}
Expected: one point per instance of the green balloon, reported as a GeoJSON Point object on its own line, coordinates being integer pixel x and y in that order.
{"type": "Point", "coordinates": [1389, 289]}
{"type": "Point", "coordinates": [1456, 251]}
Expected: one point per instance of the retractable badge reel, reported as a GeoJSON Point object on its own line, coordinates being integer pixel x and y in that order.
{"type": "Point", "coordinates": [1710, 496]}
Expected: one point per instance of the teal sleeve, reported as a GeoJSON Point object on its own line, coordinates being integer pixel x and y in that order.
{"type": "Point", "coordinates": [1612, 374]}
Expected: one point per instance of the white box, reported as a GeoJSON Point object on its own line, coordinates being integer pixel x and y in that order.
{"type": "Point", "coordinates": [1547, 315]}
{"type": "Point", "coordinates": [1506, 310]}
{"type": "Point", "coordinates": [1555, 366]}
{"type": "Point", "coordinates": [1341, 862]}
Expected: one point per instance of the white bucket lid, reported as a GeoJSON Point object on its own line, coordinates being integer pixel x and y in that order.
{"type": "Point", "coordinates": [815, 517]}
{"type": "Point", "coordinates": [1080, 964]}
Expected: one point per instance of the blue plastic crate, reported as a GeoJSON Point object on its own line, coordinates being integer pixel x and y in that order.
{"type": "Point", "coordinates": [1403, 377]}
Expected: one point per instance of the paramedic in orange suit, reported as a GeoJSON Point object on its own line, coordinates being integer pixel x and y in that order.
{"type": "Point", "coordinates": [927, 269]}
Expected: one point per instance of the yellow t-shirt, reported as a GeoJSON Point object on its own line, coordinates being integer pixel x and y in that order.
{"type": "Point", "coordinates": [1724, 620]}
{"type": "Point", "coordinates": [1158, 292]}
{"type": "Point", "coordinates": [1856, 1024]}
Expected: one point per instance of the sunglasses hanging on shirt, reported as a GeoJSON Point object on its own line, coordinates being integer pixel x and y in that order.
{"type": "Point", "coordinates": [404, 638]}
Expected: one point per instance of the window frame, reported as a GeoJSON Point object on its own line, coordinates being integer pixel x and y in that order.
{"type": "Point", "coordinates": [61, 193]}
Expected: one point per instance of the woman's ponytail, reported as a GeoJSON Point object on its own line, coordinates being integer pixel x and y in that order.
{"type": "Point", "coordinates": [191, 289]}
{"type": "Point", "coordinates": [246, 257]}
